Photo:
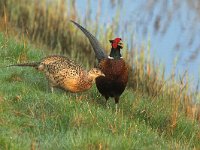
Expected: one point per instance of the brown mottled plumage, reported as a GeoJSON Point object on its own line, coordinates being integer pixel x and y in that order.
{"type": "Point", "coordinates": [113, 66]}
{"type": "Point", "coordinates": [64, 73]}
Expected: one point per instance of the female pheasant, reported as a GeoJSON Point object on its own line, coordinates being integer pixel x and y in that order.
{"type": "Point", "coordinates": [113, 66]}
{"type": "Point", "coordinates": [64, 73]}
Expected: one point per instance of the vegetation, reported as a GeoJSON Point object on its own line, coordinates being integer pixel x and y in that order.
{"type": "Point", "coordinates": [154, 113]}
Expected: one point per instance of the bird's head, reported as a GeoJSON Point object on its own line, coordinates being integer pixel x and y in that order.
{"type": "Point", "coordinates": [117, 42]}
{"type": "Point", "coordinates": [94, 73]}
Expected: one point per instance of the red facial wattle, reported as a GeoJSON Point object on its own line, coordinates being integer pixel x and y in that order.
{"type": "Point", "coordinates": [115, 42]}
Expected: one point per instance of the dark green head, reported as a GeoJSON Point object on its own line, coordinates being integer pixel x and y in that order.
{"type": "Point", "coordinates": [117, 45]}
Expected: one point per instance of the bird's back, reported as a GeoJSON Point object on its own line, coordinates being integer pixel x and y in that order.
{"type": "Point", "coordinates": [62, 72]}
{"type": "Point", "coordinates": [58, 64]}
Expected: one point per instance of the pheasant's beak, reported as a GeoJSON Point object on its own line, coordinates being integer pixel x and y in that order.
{"type": "Point", "coordinates": [102, 74]}
{"type": "Point", "coordinates": [120, 44]}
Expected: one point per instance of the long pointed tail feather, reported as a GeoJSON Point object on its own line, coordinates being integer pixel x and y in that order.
{"type": "Point", "coordinates": [99, 51]}
{"type": "Point", "coordinates": [33, 64]}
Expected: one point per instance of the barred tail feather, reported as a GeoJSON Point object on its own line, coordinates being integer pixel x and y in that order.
{"type": "Point", "coordinates": [33, 64]}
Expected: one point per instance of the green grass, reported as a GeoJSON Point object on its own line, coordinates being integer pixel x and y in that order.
{"type": "Point", "coordinates": [32, 117]}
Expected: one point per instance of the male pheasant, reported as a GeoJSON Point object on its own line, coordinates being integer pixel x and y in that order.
{"type": "Point", "coordinates": [64, 73]}
{"type": "Point", "coordinates": [113, 66]}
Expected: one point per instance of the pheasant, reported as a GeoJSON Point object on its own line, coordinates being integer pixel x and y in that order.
{"type": "Point", "coordinates": [113, 66]}
{"type": "Point", "coordinates": [64, 73]}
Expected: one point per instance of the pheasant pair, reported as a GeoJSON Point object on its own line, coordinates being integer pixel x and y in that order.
{"type": "Point", "coordinates": [111, 76]}
{"type": "Point", "coordinates": [113, 66]}
{"type": "Point", "coordinates": [64, 73]}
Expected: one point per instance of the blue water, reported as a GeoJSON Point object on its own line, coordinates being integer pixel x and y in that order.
{"type": "Point", "coordinates": [175, 45]}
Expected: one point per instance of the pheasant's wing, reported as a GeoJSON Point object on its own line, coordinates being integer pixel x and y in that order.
{"type": "Point", "coordinates": [99, 51]}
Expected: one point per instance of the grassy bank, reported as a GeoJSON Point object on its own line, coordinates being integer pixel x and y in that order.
{"type": "Point", "coordinates": [33, 117]}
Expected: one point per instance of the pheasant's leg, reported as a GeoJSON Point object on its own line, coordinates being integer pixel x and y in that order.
{"type": "Point", "coordinates": [116, 108]}
{"type": "Point", "coordinates": [116, 104]}
{"type": "Point", "coordinates": [52, 89]}
{"type": "Point", "coordinates": [76, 95]}
{"type": "Point", "coordinates": [107, 105]}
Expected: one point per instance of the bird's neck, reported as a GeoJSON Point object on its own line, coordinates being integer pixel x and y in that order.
{"type": "Point", "coordinates": [115, 53]}
{"type": "Point", "coordinates": [87, 78]}
{"type": "Point", "coordinates": [86, 81]}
